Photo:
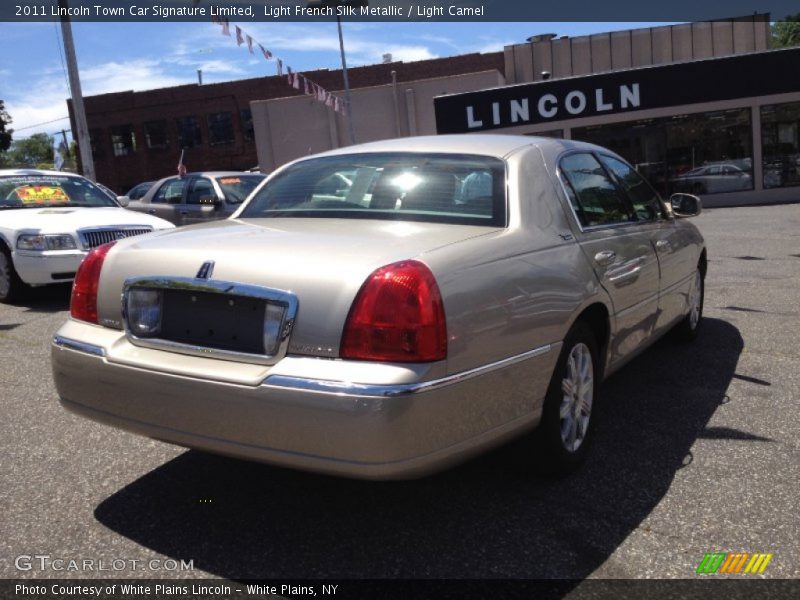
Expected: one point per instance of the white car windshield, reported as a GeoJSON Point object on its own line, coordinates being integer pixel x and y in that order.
{"type": "Point", "coordinates": [37, 191]}
{"type": "Point", "coordinates": [441, 188]}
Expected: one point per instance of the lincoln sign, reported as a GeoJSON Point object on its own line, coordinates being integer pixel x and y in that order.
{"type": "Point", "coordinates": [742, 76]}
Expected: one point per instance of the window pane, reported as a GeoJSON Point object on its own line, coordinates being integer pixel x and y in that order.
{"type": "Point", "coordinates": [645, 200]}
{"type": "Point", "coordinates": [189, 132]}
{"type": "Point", "coordinates": [202, 192]}
{"type": "Point", "coordinates": [220, 128]}
{"type": "Point", "coordinates": [677, 153]}
{"type": "Point", "coordinates": [98, 147]}
{"type": "Point", "coordinates": [399, 186]}
{"type": "Point", "coordinates": [156, 136]}
{"type": "Point", "coordinates": [123, 140]}
{"type": "Point", "coordinates": [780, 140]}
{"type": "Point", "coordinates": [247, 125]}
{"type": "Point", "coordinates": [171, 192]}
{"type": "Point", "coordinates": [599, 200]}
{"type": "Point", "coordinates": [237, 188]}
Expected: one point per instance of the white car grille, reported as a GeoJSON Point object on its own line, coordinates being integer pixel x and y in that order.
{"type": "Point", "coordinates": [92, 238]}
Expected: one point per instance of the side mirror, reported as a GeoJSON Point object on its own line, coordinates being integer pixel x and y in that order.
{"type": "Point", "coordinates": [685, 205]}
{"type": "Point", "coordinates": [124, 201]}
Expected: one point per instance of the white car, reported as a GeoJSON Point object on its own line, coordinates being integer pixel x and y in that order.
{"type": "Point", "coordinates": [50, 220]}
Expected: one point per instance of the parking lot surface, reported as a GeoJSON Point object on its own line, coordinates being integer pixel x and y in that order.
{"type": "Point", "coordinates": [696, 451]}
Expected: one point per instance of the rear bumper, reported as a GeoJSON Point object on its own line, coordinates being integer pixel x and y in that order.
{"type": "Point", "coordinates": [40, 268]}
{"type": "Point", "coordinates": [371, 430]}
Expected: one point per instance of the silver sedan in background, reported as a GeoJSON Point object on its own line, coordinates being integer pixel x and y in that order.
{"type": "Point", "coordinates": [197, 197]}
{"type": "Point", "coordinates": [385, 310]}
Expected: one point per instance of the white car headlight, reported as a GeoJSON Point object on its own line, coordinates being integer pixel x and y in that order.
{"type": "Point", "coordinates": [46, 242]}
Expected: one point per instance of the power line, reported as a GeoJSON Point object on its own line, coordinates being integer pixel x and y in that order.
{"type": "Point", "coordinates": [40, 124]}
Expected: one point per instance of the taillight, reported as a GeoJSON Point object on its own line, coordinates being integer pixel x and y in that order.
{"type": "Point", "coordinates": [83, 304]}
{"type": "Point", "coordinates": [397, 316]}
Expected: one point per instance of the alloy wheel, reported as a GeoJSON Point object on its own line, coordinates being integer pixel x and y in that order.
{"type": "Point", "coordinates": [578, 393]}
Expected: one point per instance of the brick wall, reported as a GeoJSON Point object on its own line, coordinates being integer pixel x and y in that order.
{"type": "Point", "coordinates": [136, 108]}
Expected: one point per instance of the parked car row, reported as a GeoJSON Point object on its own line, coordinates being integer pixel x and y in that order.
{"type": "Point", "coordinates": [383, 310]}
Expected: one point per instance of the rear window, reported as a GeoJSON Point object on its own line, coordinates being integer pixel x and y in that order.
{"type": "Point", "coordinates": [443, 188]}
{"type": "Point", "coordinates": [26, 191]}
{"type": "Point", "coordinates": [238, 187]}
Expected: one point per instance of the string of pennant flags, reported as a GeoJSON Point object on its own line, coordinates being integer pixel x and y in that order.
{"type": "Point", "coordinates": [297, 80]}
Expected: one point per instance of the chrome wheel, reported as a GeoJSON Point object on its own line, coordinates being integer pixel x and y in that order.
{"type": "Point", "coordinates": [5, 275]}
{"type": "Point", "coordinates": [578, 392]}
{"type": "Point", "coordinates": [695, 300]}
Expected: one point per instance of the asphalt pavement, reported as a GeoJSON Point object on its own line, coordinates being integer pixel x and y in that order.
{"type": "Point", "coordinates": [696, 451]}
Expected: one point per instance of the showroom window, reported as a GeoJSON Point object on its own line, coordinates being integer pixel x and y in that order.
{"type": "Point", "coordinates": [780, 142]}
{"type": "Point", "coordinates": [155, 135]}
{"type": "Point", "coordinates": [702, 153]}
{"type": "Point", "coordinates": [123, 140]}
{"type": "Point", "coordinates": [189, 135]}
{"type": "Point", "coordinates": [247, 125]}
{"type": "Point", "coordinates": [96, 140]}
{"type": "Point", "coordinates": [220, 128]}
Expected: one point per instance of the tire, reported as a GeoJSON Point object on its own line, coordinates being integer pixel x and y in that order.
{"type": "Point", "coordinates": [11, 286]}
{"type": "Point", "coordinates": [562, 439]}
{"type": "Point", "coordinates": [687, 329]}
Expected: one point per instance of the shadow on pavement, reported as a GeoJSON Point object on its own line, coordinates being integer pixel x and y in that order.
{"type": "Point", "coordinates": [488, 518]}
{"type": "Point", "coordinates": [46, 299]}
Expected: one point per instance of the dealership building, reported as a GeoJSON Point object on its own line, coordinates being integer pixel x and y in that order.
{"type": "Point", "coordinates": [704, 107]}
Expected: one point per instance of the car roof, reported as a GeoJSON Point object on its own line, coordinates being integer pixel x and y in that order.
{"type": "Point", "coordinates": [470, 143]}
{"type": "Point", "coordinates": [37, 172]}
{"type": "Point", "coordinates": [218, 173]}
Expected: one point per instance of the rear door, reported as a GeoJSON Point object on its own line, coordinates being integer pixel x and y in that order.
{"type": "Point", "coordinates": [202, 202]}
{"type": "Point", "coordinates": [165, 203]}
{"type": "Point", "coordinates": [619, 247]}
{"type": "Point", "coordinates": [672, 244]}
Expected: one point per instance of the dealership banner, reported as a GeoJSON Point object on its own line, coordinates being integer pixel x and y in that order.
{"type": "Point", "coordinates": [390, 10]}
{"type": "Point", "coordinates": [741, 588]}
{"type": "Point", "coordinates": [676, 84]}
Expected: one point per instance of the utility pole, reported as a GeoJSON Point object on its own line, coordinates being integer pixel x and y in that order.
{"type": "Point", "coordinates": [334, 4]}
{"type": "Point", "coordinates": [347, 100]}
{"type": "Point", "coordinates": [82, 128]}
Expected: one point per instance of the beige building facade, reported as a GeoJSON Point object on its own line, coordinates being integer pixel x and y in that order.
{"type": "Point", "coordinates": [705, 108]}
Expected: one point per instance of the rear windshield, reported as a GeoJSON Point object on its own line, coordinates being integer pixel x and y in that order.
{"type": "Point", "coordinates": [443, 188]}
{"type": "Point", "coordinates": [31, 191]}
{"type": "Point", "coordinates": [238, 187]}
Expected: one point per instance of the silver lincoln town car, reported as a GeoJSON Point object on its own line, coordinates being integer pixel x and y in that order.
{"type": "Point", "coordinates": [384, 310]}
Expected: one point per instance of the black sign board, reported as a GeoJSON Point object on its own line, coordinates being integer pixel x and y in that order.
{"type": "Point", "coordinates": [743, 76]}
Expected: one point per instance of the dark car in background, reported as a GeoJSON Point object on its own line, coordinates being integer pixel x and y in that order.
{"type": "Point", "coordinates": [197, 197]}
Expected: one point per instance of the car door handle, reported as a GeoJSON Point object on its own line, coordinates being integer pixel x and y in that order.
{"type": "Point", "coordinates": [184, 212]}
{"type": "Point", "coordinates": [662, 245]}
{"type": "Point", "coordinates": [152, 211]}
{"type": "Point", "coordinates": [605, 257]}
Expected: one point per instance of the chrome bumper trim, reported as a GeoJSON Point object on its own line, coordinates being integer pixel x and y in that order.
{"type": "Point", "coordinates": [69, 344]}
{"type": "Point", "coordinates": [345, 388]}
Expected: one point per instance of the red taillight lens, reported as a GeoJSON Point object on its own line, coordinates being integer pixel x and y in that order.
{"type": "Point", "coordinates": [83, 304]}
{"type": "Point", "coordinates": [397, 316]}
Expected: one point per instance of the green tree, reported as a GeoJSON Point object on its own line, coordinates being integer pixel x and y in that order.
{"type": "Point", "coordinates": [786, 33]}
{"type": "Point", "coordinates": [31, 151]}
{"type": "Point", "coordinates": [5, 134]}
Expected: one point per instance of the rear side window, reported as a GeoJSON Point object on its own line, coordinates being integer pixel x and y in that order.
{"type": "Point", "coordinates": [646, 201]}
{"type": "Point", "coordinates": [442, 188]}
{"type": "Point", "coordinates": [595, 197]}
{"type": "Point", "coordinates": [202, 192]}
{"type": "Point", "coordinates": [170, 192]}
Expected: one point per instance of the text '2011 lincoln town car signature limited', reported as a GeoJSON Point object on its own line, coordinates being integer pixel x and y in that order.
{"type": "Point", "coordinates": [388, 309]}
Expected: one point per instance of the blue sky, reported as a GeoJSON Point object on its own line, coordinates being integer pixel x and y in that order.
{"type": "Point", "coordinates": [123, 56]}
